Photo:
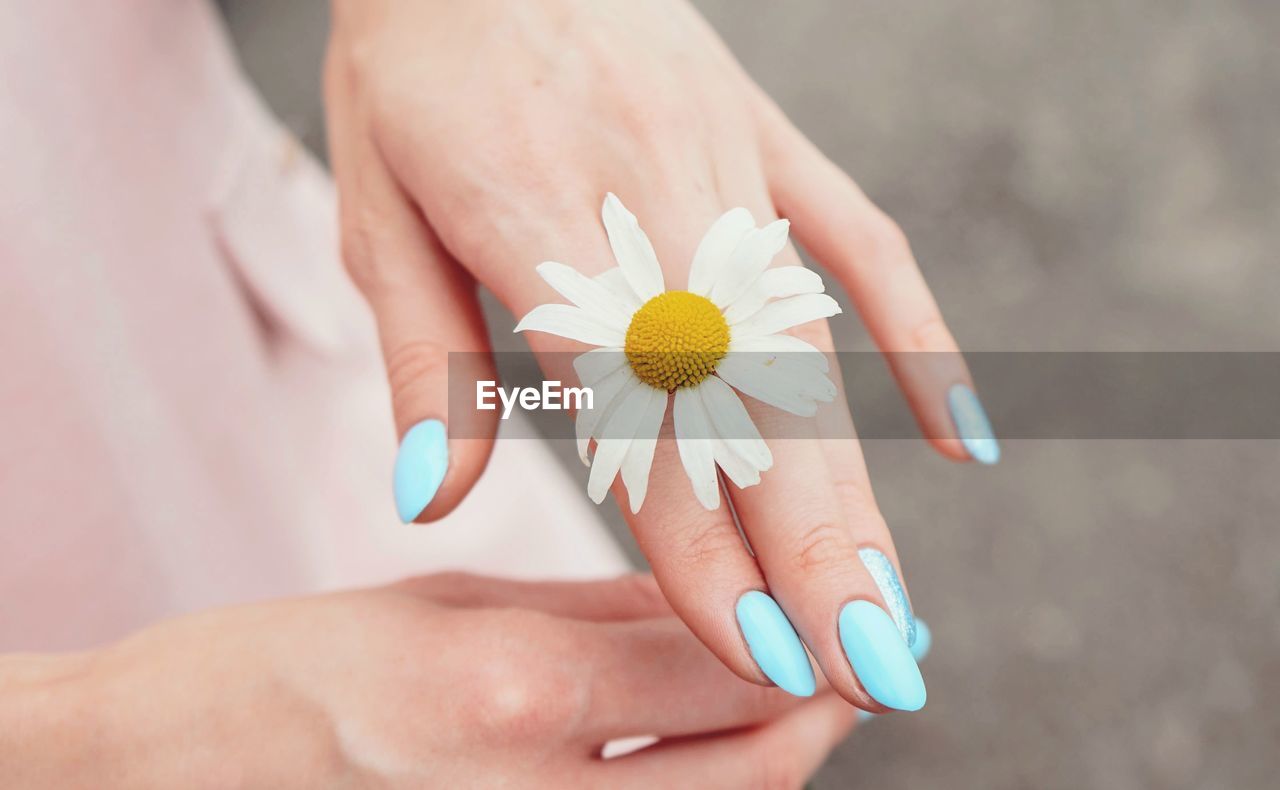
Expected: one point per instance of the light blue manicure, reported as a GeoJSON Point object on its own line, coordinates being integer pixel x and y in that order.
{"type": "Point", "coordinates": [919, 650]}
{"type": "Point", "coordinates": [886, 578]}
{"type": "Point", "coordinates": [879, 657]}
{"type": "Point", "coordinates": [924, 641]}
{"type": "Point", "coordinates": [420, 466]}
{"type": "Point", "coordinates": [774, 644]}
{"type": "Point", "coordinates": [972, 425]}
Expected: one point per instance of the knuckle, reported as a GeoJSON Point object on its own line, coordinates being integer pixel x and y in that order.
{"type": "Point", "coordinates": [707, 543]}
{"type": "Point", "coordinates": [931, 335]}
{"type": "Point", "coordinates": [471, 238]}
{"type": "Point", "coordinates": [412, 362]}
{"type": "Point", "coordinates": [882, 241]}
{"type": "Point", "coordinates": [857, 499]}
{"type": "Point", "coordinates": [362, 55]}
{"type": "Point", "coordinates": [823, 549]}
{"type": "Point", "coordinates": [522, 700]}
{"type": "Point", "coordinates": [360, 245]}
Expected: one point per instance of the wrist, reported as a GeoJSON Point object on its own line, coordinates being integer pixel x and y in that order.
{"type": "Point", "coordinates": [140, 714]}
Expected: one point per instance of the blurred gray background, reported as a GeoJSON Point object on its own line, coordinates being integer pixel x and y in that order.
{"type": "Point", "coordinates": [1073, 176]}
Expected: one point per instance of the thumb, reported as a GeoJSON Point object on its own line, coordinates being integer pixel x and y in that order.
{"type": "Point", "coordinates": [426, 309]}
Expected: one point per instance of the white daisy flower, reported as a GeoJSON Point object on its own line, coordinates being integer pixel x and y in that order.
{"type": "Point", "coordinates": [698, 346]}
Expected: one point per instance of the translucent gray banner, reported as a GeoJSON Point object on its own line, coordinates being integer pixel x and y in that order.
{"type": "Point", "coordinates": [1028, 395]}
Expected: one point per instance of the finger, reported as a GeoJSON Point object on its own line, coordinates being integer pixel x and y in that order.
{"type": "Point", "coordinates": [870, 256]}
{"type": "Point", "coordinates": [710, 578]}
{"type": "Point", "coordinates": [632, 597]}
{"type": "Point", "coordinates": [425, 306]}
{"type": "Point", "coordinates": [783, 753]}
{"type": "Point", "coordinates": [809, 530]}
{"type": "Point", "coordinates": [653, 677]}
{"type": "Point", "coordinates": [852, 484]}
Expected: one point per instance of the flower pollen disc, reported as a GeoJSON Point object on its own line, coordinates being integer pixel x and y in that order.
{"type": "Point", "coordinates": [676, 340]}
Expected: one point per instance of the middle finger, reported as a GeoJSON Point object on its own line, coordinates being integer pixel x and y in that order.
{"type": "Point", "coordinates": [810, 529]}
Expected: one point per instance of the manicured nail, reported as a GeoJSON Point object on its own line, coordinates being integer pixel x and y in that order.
{"type": "Point", "coordinates": [886, 578]}
{"type": "Point", "coordinates": [774, 644]}
{"type": "Point", "coordinates": [972, 425]}
{"type": "Point", "coordinates": [420, 466]}
{"type": "Point", "coordinates": [924, 640]}
{"type": "Point", "coordinates": [879, 657]}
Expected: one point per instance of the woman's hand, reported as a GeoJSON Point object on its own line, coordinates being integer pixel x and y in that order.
{"type": "Point", "coordinates": [471, 141]}
{"type": "Point", "coordinates": [444, 681]}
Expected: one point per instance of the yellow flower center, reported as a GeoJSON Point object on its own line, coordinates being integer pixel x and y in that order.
{"type": "Point", "coordinates": [676, 340]}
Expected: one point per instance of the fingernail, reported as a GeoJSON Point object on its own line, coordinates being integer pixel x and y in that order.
{"type": "Point", "coordinates": [919, 650]}
{"type": "Point", "coordinates": [972, 425]}
{"type": "Point", "coordinates": [879, 657]}
{"type": "Point", "coordinates": [420, 466]}
{"type": "Point", "coordinates": [886, 578]}
{"type": "Point", "coordinates": [924, 641]}
{"type": "Point", "coordinates": [774, 644]}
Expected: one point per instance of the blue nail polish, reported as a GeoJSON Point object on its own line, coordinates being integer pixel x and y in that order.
{"type": "Point", "coordinates": [886, 578]}
{"type": "Point", "coordinates": [420, 466]}
{"type": "Point", "coordinates": [774, 644]}
{"type": "Point", "coordinates": [879, 657]}
{"type": "Point", "coordinates": [972, 425]}
{"type": "Point", "coordinates": [924, 641]}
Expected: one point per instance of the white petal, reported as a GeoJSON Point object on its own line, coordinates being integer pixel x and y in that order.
{"type": "Point", "coordinates": [803, 378]}
{"type": "Point", "coordinates": [616, 282]}
{"type": "Point", "coordinates": [697, 451]}
{"type": "Point", "coordinates": [749, 377]}
{"type": "Point", "coordinates": [586, 293]}
{"type": "Point", "coordinates": [783, 314]}
{"type": "Point", "coordinates": [733, 424]}
{"type": "Point", "coordinates": [635, 467]}
{"type": "Point", "coordinates": [776, 283]}
{"type": "Point", "coordinates": [749, 259]}
{"type": "Point", "coordinates": [610, 454]}
{"type": "Point", "coordinates": [604, 395]}
{"type": "Point", "coordinates": [597, 363]}
{"type": "Point", "coordinates": [570, 322]}
{"type": "Point", "coordinates": [618, 433]}
{"type": "Point", "coordinates": [631, 248]}
{"type": "Point", "coordinates": [784, 281]}
{"type": "Point", "coordinates": [782, 344]}
{"type": "Point", "coordinates": [740, 471]}
{"type": "Point", "coordinates": [716, 247]}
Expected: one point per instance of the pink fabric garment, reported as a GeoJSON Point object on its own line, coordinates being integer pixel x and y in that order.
{"type": "Point", "coordinates": [192, 409]}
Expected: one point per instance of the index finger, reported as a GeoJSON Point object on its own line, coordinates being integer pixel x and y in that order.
{"type": "Point", "coordinates": [870, 256]}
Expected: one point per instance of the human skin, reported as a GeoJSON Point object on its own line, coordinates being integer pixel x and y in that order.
{"type": "Point", "coordinates": [442, 681]}
{"type": "Point", "coordinates": [470, 141]}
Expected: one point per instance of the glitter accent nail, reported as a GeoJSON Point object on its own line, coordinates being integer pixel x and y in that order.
{"type": "Point", "coordinates": [895, 598]}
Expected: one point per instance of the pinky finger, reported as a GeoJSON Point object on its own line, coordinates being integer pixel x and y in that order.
{"type": "Point", "coordinates": [870, 256]}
